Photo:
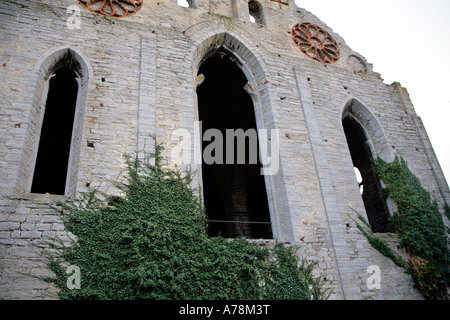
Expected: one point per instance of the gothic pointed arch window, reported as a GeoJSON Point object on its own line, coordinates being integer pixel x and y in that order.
{"type": "Point", "coordinates": [234, 189]}
{"type": "Point", "coordinates": [62, 91]}
{"type": "Point", "coordinates": [50, 172]}
{"type": "Point", "coordinates": [358, 125]}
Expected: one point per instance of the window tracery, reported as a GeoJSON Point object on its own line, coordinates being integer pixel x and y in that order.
{"type": "Point", "coordinates": [315, 42]}
{"type": "Point", "coordinates": [113, 8]}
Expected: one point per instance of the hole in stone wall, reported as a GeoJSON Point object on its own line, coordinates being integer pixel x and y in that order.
{"type": "Point", "coordinates": [56, 134]}
{"type": "Point", "coordinates": [370, 186]}
{"type": "Point", "coordinates": [359, 179]}
{"type": "Point", "coordinates": [256, 12]}
{"type": "Point", "coordinates": [234, 194]}
{"type": "Point", "coordinates": [184, 3]}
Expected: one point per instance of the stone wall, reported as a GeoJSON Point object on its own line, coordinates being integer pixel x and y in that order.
{"type": "Point", "coordinates": [140, 78]}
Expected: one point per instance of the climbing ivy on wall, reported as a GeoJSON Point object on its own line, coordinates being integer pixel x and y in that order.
{"type": "Point", "coordinates": [447, 210]}
{"type": "Point", "coordinates": [420, 226]}
{"type": "Point", "coordinates": [152, 243]}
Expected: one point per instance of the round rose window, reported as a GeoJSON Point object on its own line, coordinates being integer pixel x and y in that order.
{"type": "Point", "coordinates": [315, 42]}
{"type": "Point", "coordinates": [113, 8]}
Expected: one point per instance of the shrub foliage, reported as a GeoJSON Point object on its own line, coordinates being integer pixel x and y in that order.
{"type": "Point", "coordinates": [420, 226]}
{"type": "Point", "coordinates": [152, 243]}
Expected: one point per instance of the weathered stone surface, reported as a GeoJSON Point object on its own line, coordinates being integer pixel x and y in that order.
{"type": "Point", "coordinates": [138, 80]}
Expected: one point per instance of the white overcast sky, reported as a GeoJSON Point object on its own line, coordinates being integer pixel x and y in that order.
{"type": "Point", "coordinates": [406, 41]}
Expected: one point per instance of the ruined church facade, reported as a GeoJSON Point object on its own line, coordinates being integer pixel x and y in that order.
{"type": "Point", "coordinates": [156, 69]}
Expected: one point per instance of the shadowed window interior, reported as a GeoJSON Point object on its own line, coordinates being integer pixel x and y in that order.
{"type": "Point", "coordinates": [370, 186]}
{"type": "Point", "coordinates": [56, 133]}
{"type": "Point", "coordinates": [234, 194]}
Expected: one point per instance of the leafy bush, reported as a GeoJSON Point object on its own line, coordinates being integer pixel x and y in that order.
{"type": "Point", "coordinates": [420, 226]}
{"type": "Point", "coordinates": [151, 243]}
{"type": "Point", "coordinates": [447, 210]}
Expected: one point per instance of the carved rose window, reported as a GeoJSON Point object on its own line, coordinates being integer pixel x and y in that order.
{"type": "Point", "coordinates": [315, 42]}
{"type": "Point", "coordinates": [113, 8]}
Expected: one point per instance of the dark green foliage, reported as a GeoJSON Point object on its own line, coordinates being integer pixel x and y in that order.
{"type": "Point", "coordinates": [447, 210]}
{"type": "Point", "coordinates": [151, 243]}
{"type": "Point", "coordinates": [419, 225]}
{"type": "Point", "coordinates": [285, 279]}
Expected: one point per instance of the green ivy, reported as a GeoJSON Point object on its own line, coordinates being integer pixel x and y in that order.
{"type": "Point", "coordinates": [378, 243]}
{"type": "Point", "coordinates": [420, 226]}
{"type": "Point", "coordinates": [151, 243]}
{"type": "Point", "coordinates": [447, 210]}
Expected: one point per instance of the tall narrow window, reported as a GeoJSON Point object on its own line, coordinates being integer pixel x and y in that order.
{"type": "Point", "coordinates": [52, 160]}
{"type": "Point", "coordinates": [256, 12]}
{"type": "Point", "coordinates": [234, 193]}
{"type": "Point", "coordinates": [370, 186]}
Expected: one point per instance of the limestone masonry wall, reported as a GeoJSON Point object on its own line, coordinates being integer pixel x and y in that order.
{"type": "Point", "coordinates": [138, 79]}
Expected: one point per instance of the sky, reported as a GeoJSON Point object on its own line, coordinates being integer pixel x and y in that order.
{"type": "Point", "coordinates": [407, 41]}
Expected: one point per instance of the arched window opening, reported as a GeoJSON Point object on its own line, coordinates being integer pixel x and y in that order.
{"type": "Point", "coordinates": [50, 172]}
{"type": "Point", "coordinates": [370, 186]}
{"type": "Point", "coordinates": [256, 12]}
{"type": "Point", "coordinates": [234, 194]}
